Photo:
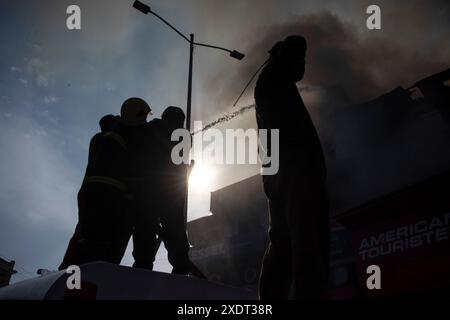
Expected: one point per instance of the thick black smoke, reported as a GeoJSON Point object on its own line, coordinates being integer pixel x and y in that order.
{"type": "Point", "coordinates": [347, 65]}
{"type": "Point", "coordinates": [363, 63]}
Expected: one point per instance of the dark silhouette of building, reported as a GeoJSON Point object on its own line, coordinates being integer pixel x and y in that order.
{"type": "Point", "coordinates": [380, 146]}
{"type": "Point", "coordinates": [6, 271]}
{"type": "Point", "coordinates": [229, 245]}
{"type": "Point", "coordinates": [407, 234]}
{"type": "Point", "coordinates": [399, 218]}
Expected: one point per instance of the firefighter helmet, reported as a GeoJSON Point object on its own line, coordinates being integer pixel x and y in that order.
{"type": "Point", "coordinates": [135, 110]}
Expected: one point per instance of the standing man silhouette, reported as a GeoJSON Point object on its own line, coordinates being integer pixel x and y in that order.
{"type": "Point", "coordinates": [170, 189]}
{"type": "Point", "coordinates": [296, 262]}
{"type": "Point", "coordinates": [101, 201]}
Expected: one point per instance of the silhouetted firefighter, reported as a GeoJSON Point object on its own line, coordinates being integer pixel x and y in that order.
{"type": "Point", "coordinates": [296, 261]}
{"type": "Point", "coordinates": [157, 189]}
{"type": "Point", "coordinates": [102, 221]}
{"type": "Point", "coordinates": [132, 187]}
{"type": "Point", "coordinates": [168, 188]}
{"type": "Point", "coordinates": [133, 127]}
{"type": "Point", "coordinates": [169, 193]}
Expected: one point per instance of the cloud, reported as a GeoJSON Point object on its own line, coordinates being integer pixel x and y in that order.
{"type": "Point", "coordinates": [35, 170]}
{"type": "Point", "coordinates": [38, 69]}
{"type": "Point", "coordinates": [50, 99]}
{"type": "Point", "coordinates": [41, 81]}
{"type": "Point", "coordinates": [15, 69]}
{"type": "Point", "coordinates": [37, 192]}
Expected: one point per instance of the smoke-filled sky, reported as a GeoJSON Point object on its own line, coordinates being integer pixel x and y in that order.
{"type": "Point", "coordinates": [55, 84]}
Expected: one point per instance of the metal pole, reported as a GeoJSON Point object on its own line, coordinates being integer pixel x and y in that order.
{"type": "Point", "coordinates": [188, 120]}
{"type": "Point", "coordinates": [189, 94]}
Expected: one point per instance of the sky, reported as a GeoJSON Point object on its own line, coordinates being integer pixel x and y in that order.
{"type": "Point", "coordinates": [56, 83]}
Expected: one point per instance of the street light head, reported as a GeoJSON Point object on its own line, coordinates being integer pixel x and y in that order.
{"type": "Point", "coordinates": [142, 7]}
{"type": "Point", "coordinates": [237, 55]}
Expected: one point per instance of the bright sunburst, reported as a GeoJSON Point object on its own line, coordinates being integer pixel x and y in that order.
{"type": "Point", "coordinates": [202, 177]}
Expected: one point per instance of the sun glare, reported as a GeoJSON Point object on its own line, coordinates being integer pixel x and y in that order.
{"type": "Point", "coordinates": [202, 177]}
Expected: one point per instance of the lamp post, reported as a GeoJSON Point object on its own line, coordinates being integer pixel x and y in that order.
{"type": "Point", "coordinates": [142, 7]}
